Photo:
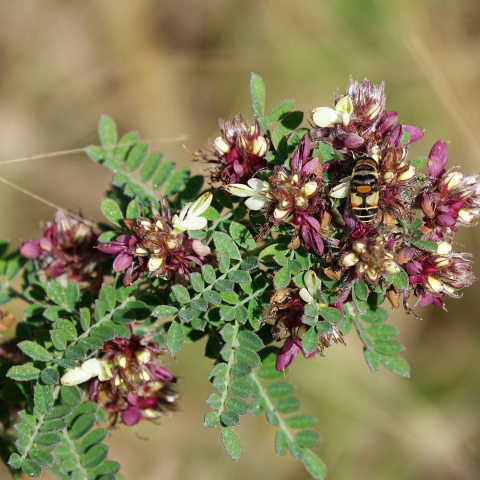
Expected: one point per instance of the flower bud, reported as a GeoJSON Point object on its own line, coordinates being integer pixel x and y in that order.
{"type": "Point", "coordinates": [140, 251]}
{"type": "Point", "coordinates": [441, 261]}
{"type": "Point", "coordinates": [391, 267]}
{"type": "Point", "coordinates": [465, 216]}
{"type": "Point", "coordinates": [146, 224]}
{"type": "Point", "coordinates": [434, 285]}
{"type": "Point", "coordinates": [143, 356]}
{"type": "Point", "coordinates": [452, 180]}
{"type": "Point", "coordinates": [410, 173]}
{"type": "Point", "coordinates": [360, 247]}
{"type": "Point", "coordinates": [159, 225]}
{"type": "Point", "coordinates": [172, 244]}
{"type": "Point", "coordinates": [259, 146]}
{"type": "Point", "coordinates": [222, 145]}
{"type": "Point", "coordinates": [154, 263]}
{"type": "Point", "coordinates": [373, 111]}
{"type": "Point", "coordinates": [300, 202]}
{"type": "Point", "coordinates": [444, 248]}
{"type": "Point", "coordinates": [372, 275]}
{"type": "Point", "coordinates": [279, 214]}
{"type": "Point", "coordinates": [350, 260]}
{"type": "Point", "coordinates": [122, 361]}
{"type": "Point", "coordinates": [309, 189]}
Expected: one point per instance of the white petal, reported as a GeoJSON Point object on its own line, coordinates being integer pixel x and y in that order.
{"type": "Point", "coordinates": [305, 296]}
{"type": "Point", "coordinates": [255, 203]}
{"type": "Point", "coordinates": [201, 204]}
{"type": "Point", "coordinates": [196, 223]}
{"type": "Point", "coordinates": [340, 191]}
{"type": "Point", "coordinates": [75, 377]}
{"type": "Point", "coordinates": [92, 367]}
{"type": "Point", "coordinates": [256, 184]}
{"type": "Point", "coordinates": [324, 116]}
{"type": "Point", "coordinates": [240, 190]}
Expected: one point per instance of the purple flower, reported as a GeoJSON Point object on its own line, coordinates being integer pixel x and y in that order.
{"type": "Point", "coordinates": [66, 248]}
{"type": "Point", "coordinates": [437, 159]}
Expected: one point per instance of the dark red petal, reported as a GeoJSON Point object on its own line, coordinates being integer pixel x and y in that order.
{"type": "Point", "coordinates": [437, 159]}
{"type": "Point", "coordinates": [416, 133]}
{"type": "Point", "coordinates": [123, 261]}
{"type": "Point", "coordinates": [310, 167]}
{"type": "Point", "coordinates": [131, 416]}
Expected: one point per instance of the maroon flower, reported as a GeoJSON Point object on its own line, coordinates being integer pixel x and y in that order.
{"type": "Point", "coordinates": [238, 153]}
{"type": "Point", "coordinates": [66, 248]}
{"type": "Point", "coordinates": [139, 387]}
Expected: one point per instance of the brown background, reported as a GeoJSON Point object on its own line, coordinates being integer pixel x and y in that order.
{"type": "Point", "coordinates": [171, 68]}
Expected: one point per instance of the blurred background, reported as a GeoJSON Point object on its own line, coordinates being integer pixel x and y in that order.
{"type": "Point", "coordinates": [170, 68]}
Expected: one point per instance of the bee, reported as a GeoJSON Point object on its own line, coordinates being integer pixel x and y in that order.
{"type": "Point", "coordinates": [365, 190]}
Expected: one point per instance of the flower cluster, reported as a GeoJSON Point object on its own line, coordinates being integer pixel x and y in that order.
{"type": "Point", "coordinates": [65, 249]}
{"type": "Point", "coordinates": [238, 153]}
{"type": "Point", "coordinates": [128, 380]}
{"type": "Point", "coordinates": [160, 246]}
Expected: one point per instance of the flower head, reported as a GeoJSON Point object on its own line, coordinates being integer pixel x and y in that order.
{"type": "Point", "coordinates": [161, 247]}
{"type": "Point", "coordinates": [238, 153]}
{"type": "Point", "coordinates": [66, 248]}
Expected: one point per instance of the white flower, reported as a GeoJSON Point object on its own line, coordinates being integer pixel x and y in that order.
{"type": "Point", "coordinates": [325, 116]}
{"type": "Point", "coordinates": [342, 189]}
{"type": "Point", "coordinates": [254, 189]}
{"type": "Point", "coordinates": [189, 217]}
{"type": "Point", "coordinates": [89, 369]}
{"type": "Point", "coordinates": [311, 294]}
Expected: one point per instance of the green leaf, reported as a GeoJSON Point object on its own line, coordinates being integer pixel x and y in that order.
{"type": "Point", "coordinates": [400, 281]}
{"type": "Point", "coordinates": [93, 438]}
{"type": "Point", "coordinates": [225, 244]}
{"type": "Point", "coordinates": [181, 294]}
{"type": "Point", "coordinates": [208, 273]}
{"type": "Point", "coordinates": [331, 315]}
{"type": "Point", "coordinates": [281, 443]}
{"type": "Point", "coordinates": [43, 398]}
{"type": "Point", "coordinates": [59, 339]}
{"type": "Point", "coordinates": [85, 318]}
{"type": "Point", "coordinates": [35, 351]}
{"type": "Point", "coordinates": [361, 290]}
{"type": "Point", "coordinates": [95, 456]}
{"type": "Point", "coordinates": [240, 389]}
{"type": "Point", "coordinates": [133, 210]}
{"type": "Point", "coordinates": [396, 365]}
{"type": "Point", "coordinates": [224, 285]}
{"type": "Point", "coordinates": [82, 425]}
{"type": "Point", "coordinates": [250, 340]}
{"type": "Point", "coordinates": [150, 167]}
{"type": "Point", "coordinates": [315, 467]}
{"type": "Point", "coordinates": [75, 352]}
{"type": "Point", "coordinates": [308, 438]}
{"type": "Point", "coordinates": [107, 132]}
{"type": "Point", "coordinates": [68, 329]}
{"type": "Point", "coordinates": [197, 282]}
{"type": "Point", "coordinates": [325, 152]}
{"type": "Point", "coordinates": [224, 262]}
{"type": "Point", "coordinates": [108, 295]}
{"type": "Point", "coordinates": [288, 405]}
{"type": "Point", "coordinates": [175, 337]}
{"type": "Point", "coordinates": [212, 297]}
{"type": "Point", "coordinates": [267, 254]}
{"type": "Point", "coordinates": [427, 246]}
{"type": "Point", "coordinates": [41, 457]}
{"type": "Point", "coordinates": [124, 315]}
{"type": "Point", "coordinates": [242, 236]}
{"type": "Point", "coordinates": [375, 315]}
{"type": "Point", "coordinates": [50, 376]}
{"type": "Point", "coordinates": [280, 144]}
{"type": "Point", "coordinates": [164, 311]}
{"type": "Point", "coordinates": [300, 421]}
{"type": "Point", "coordinates": [280, 389]}
{"type": "Point", "coordinates": [48, 440]}
{"type": "Point", "coordinates": [23, 373]}
{"type": "Point", "coordinates": [112, 211]}
{"type": "Point", "coordinates": [282, 277]}
{"type": "Point", "coordinates": [125, 144]}
{"type": "Point", "coordinates": [230, 419]}
{"type": "Point", "coordinates": [177, 182]}
{"type": "Point", "coordinates": [162, 174]}
{"type": "Point", "coordinates": [310, 340]}
{"type": "Point", "coordinates": [231, 442]}
{"type": "Point", "coordinates": [212, 419]}
{"type": "Point", "coordinates": [258, 93]}
{"type": "Point", "coordinates": [31, 468]}
{"type": "Point", "coordinates": [56, 293]}
{"type": "Point", "coordinates": [238, 406]}
{"type": "Point", "coordinates": [290, 122]}
{"type": "Point", "coordinates": [372, 359]}
{"type": "Point", "coordinates": [70, 395]}
{"type": "Point", "coordinates": [382, 332]}
{"type": "Point", "coordinates": [279, 111]}
{"type": "Point", "coordinates": [72, 294]}
{"type": "Point", "coordinates": [137, 156]}
{"type": "Point", "coordinates": [388, 347]}
{"type": "Point", "coordinates": [61, 411]}
{"type": "Point", "coordinates": [241, 369]}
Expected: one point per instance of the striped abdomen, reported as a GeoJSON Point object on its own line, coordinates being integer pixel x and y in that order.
{"type": "Point", "coordinates": [365, 194]}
